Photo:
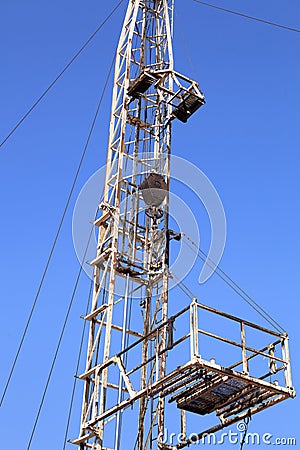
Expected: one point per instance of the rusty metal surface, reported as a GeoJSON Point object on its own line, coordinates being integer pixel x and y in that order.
{"type": "Point", "coordinates": [198, 386]}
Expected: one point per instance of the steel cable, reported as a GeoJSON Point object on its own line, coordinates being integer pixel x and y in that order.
{"type": "Point", "coordinates": [234, 286]}
{"type": "Point", "coordinates": [186, 47]}
{"type": "Point", "coordinates": [56, 236]}
{"type": "Point", "coordinates": [59, 343]}
{"type": "Point", "coordinates": [35, 104]}
{"type": "Point", "coordinates": [246, 16]}
{"type": "Point", "coordinates": [77, 367]}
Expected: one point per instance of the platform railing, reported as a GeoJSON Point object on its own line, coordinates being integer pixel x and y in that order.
{"type": "Point", "coordinates": [183, 347]}
{"type": "Point", "coordinates": [248, 353]}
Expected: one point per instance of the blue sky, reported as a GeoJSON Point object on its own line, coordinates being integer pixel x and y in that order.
{"type": "Point", "coordinates": [246, 140]}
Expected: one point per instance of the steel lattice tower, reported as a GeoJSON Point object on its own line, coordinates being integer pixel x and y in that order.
{"type": "Point", "coordinates": [130, 332]}
{"type": "Point", "coordinates": [133, 240]}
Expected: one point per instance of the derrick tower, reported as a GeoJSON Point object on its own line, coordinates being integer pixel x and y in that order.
{"type": "Point", "coordinates": [132, 255]}
{"type": "Point", "coordinates": [130, 332]}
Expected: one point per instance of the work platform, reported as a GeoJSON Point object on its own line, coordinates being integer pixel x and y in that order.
{"type": "Point", "coordinates": [221, 393]}
{"type": "Point", "coordinates": [185, 100]}
{"type": "Point", "coordinates": [199, 385]}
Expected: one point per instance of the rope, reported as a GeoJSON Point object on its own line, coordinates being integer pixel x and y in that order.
{"type": "Point", "coordinates": [58, 344]}
{"type": "Point", "coordinates": [35, 104]}
{"type": "Point", "coordinates": [296, 30]}
{"type": "Point", "coordinates": [246, 422]}
{"type": "Point", "coordinates": [188, 54]}
{"type": "Point", "coordinates": [77, 368]}
{"type": "Point", "coordinates": [56, 238]}
{"type": "Point", "coordinates": [183, 287]}
{"type": "Point", "coordinates": [234, 286]}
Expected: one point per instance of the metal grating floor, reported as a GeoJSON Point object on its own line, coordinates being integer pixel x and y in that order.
{"type": "Point", "coordinates": [221, 394]}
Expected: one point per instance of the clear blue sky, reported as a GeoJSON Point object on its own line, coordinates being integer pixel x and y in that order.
{"type": "Point", "coordinates": [246, 140]}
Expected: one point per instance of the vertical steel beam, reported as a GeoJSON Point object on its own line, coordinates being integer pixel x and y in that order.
{"type": "Point", "coordinates": [244, 351]}
{"type": "Point", "coordinates": [286, 357]}
{"type": "Point", "coordinates": [194, 334]}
